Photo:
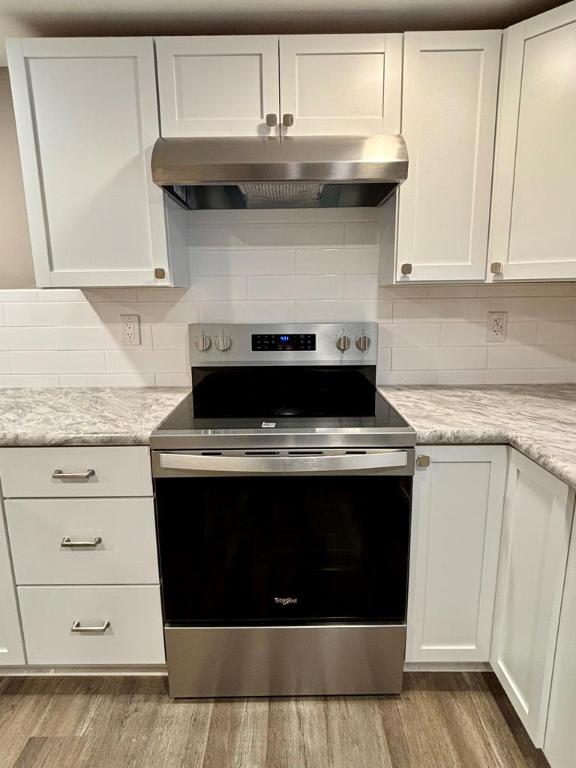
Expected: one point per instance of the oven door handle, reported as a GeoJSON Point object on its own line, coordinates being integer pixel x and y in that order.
{"type": "Point", "coordinates": [291, 465]}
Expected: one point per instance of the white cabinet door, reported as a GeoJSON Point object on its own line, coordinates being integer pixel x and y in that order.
{"type": "Point", "coordinates": [341, 84]}
{"type": "Point", "coordinates": [217, 86]}
{"type": "Point", "coordinates": [87, 119]}
{"type": "Point", "coordinates": [533, 228]}
{"type": "Point", "coordinates": [535, 536]}
{"type": "Point", "coordinates": [560, 741]}
{"type": "Point", "coordinates": [456, 522]}
{"type": "Point", "coordinates": [449, 97]}
{"type": "Point", "coordinates": [11, 647]}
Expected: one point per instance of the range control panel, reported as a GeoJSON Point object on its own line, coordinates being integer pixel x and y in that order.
{"type": "Point", "coordinates": [283, 342]}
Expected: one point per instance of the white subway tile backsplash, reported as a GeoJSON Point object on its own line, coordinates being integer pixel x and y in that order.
{"type": "Point", "coordinates": [295, 235]}
{"type": "Point", "coordinates": [296, 287]}
{"type": "Point", "coordinates": [330, 261]}
{"type": "Point", "coordinates": [50, 314]}
{"type": "Point", "coordinates": [57, 362]}
{"type": "Point", "coordinates": [409, 334]}
{"type": "Point", "coordinates": [263, 261]}
{"type": "Point", "coordinates": [438, 358]}
{"type": "Point", "coordinates": [108, 380]}
{"type": "Point", "coordinates": [285, 266]}
{"type": "Point", "coordinates": [146, 361]}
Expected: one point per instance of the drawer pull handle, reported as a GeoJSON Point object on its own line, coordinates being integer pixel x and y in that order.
{"type": "Point", "coordinates": [67, 543]}
{"type": "Point", "coordinates": [77, 627]}
{"type": "Point", "coordinates": [59, 474]}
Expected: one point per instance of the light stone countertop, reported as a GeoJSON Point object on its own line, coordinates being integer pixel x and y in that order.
{"type": "Point", "coordinates": [84, 416]}
{"type": "Point", "coordinates": [539, 420]}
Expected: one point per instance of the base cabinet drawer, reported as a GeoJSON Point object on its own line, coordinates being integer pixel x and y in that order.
{"type": "Point", "coordinates": [75, 471]}
{"type": "Point", "coordinates": [91, 626]}
{"type": "Point", "coordinates": [83, 541]}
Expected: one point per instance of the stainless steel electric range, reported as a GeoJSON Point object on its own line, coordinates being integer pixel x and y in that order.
{"type": "Point", "coordinates": [283, 488]}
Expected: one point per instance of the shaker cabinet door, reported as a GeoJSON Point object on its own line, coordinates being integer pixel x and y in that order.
{"type": "Point", "coordinates": [340, 84]}
{"type": "Point", "coordinates": [533, 553]}
{"type": "Point", "coordinates": [218, 86]}
{"type": "Point", "coordinates": [533, 228]}
{"type": "Point", "coordinates": [456, 521]}
{"type": "Point", "coordinates": [450, 88]}
{"type": "Point", "coordinates": [87, 120]}
{"type": "Point", "coordinates": [11, 647]}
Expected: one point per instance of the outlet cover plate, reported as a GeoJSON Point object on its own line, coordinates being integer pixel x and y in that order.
{"type": "Point", "coordinates": [497, 326]}
{"type": "Point", "coordinates": [130, 327]}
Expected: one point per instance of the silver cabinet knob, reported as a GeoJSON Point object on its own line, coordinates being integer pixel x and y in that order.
{"type": "Point", "coordinates": [271, 120]}
{"type": "Point", "coordinates": [288, 120]}
{"type": "Point", "coordinates": [222, 342]}
{"type": "Point", "coordinates": [497, 268]}
{"type": "Point", "coordinates": [406, 269]}
{"type": "Point", "coordinates": [202, 343]}
{"type": "Point", "coordinates": [343, 343]}
{"type": "Point", "coordinates": [363, 343]}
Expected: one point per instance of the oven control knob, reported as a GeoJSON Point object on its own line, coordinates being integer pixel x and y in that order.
{"type": "Point", "coordinates": [343, 343]}
{"type": "Point", "coordinates": [363, 343]}
{"type": "Point", "coordinates": [223, 342]}
{"type": "Point", "coordinates": [202, 343]}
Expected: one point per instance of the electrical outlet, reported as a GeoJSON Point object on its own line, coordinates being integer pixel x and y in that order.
{"type": "Point", "coordinates": [497, 326]}
{"type": "Point", "coordinates": [130, 325]}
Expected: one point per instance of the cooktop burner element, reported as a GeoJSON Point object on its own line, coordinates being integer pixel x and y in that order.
{"type": "Point", "coordinates": [285, 385]}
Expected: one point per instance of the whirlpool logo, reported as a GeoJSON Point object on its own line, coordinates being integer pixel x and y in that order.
{"type": "Point", "coordinates": [285, 600]}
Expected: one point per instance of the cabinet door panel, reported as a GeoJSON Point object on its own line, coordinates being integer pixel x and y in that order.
{"type": "Point", "coordinates": [456, 523]}
{"type": "Point", "coordinates": [11, 647]}
{"type": "Point", "coordinates": [87, 120]}
{"type": "Point", "coordinates": [217, 86]}
{"type": "Point", "coordinates": [341, 84]}
{"type": "Point", "coordinates": [560, 742]}
{"type": "Point", "coordinates": [533, 223]}
{"type": "Point", "coordinates": [535, 537]}
{"type": "Point", "coordinates": [448, 120]}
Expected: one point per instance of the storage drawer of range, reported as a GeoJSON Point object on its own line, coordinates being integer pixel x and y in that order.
{"type": "Point", "coordinates": [92, 625]}
{"type": "Point", "coordinates": [83, 541]}
{"type": "Point", "coordinates": [75, 471]}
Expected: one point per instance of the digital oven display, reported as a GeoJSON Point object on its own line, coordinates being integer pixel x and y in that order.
{"type": "Point", "coordinates": [286, 342]}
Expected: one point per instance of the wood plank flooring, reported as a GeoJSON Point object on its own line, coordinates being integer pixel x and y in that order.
{"type": "Point", "coordinates": [442, 720]}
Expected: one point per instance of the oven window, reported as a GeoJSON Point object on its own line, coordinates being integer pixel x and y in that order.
{"type": "Point", "coordinates": [279, 550]}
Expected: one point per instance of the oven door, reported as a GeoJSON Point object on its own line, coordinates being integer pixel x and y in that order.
{"type": "Point", "coordinates": [286, 538]}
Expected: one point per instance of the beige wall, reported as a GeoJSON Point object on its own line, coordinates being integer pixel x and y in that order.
{"type": "Point", "coordinates": [15, 254]}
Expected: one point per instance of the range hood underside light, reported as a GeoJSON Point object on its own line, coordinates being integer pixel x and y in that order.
{"type": "Point", "coordinates": [299, 172]}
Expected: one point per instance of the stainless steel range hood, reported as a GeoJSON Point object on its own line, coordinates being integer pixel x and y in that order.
{"type": "Point", "coordinates": [294, 172]}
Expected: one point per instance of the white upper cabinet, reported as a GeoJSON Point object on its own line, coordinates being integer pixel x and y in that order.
{"type": "Point", "coordinates": [340, 84]}
{"type": "Point", "coordinates": [456, 521]}
{"type": "Point", "coordinates": [533, 230]}
{"type": "Point", "coordinates": [450, 91]}
{"type": "Point", "coordinates": [218, 86]}
{"type": "Point", "coordinates": [533, 553]}
{"type": "Point", "coordinates": [87, 118]}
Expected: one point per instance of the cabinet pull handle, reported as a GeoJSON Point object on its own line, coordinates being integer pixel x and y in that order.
{"type": "Point", "coordinates": [68, 543]}
{"type": "Point", "coordinates": [271, 120]}
{"type": "Point", "coordinates": [406, 269]}
{"type": "Point", "coordinates": [160, 273]}
{"type": "Point", "coordinates": [423, 461]}
{"type": "Point", "coordinates": [497, 268]}
{"type": "Point", "coordinates": [288, 120]}
{"type": "Point", "coordinates": [59, 474]}
{"type": "Point", "coordinates": [78, 628]}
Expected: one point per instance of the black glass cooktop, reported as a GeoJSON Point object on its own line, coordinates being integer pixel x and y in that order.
{"type": "Point", "coordinates": [251, 397]}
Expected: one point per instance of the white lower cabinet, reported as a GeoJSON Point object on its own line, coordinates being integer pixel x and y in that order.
{"type": "Point", "coordinates": [534, 548]}
{"type": "Point", "coordinates": [86, 625]}
{"type": "Point", "coordinates": [560, 741]}
{"type": "Point", "coordinates": [11, 646]}
{"type": "Point", "coordinates": [456, 523]}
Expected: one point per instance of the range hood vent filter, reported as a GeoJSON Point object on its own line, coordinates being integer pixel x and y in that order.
{"type": "Point", "coordinates": [289, 195]}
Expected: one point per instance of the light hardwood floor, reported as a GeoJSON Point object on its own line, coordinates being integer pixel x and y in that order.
{"type": "Point", "coordinates": [442, 720]}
